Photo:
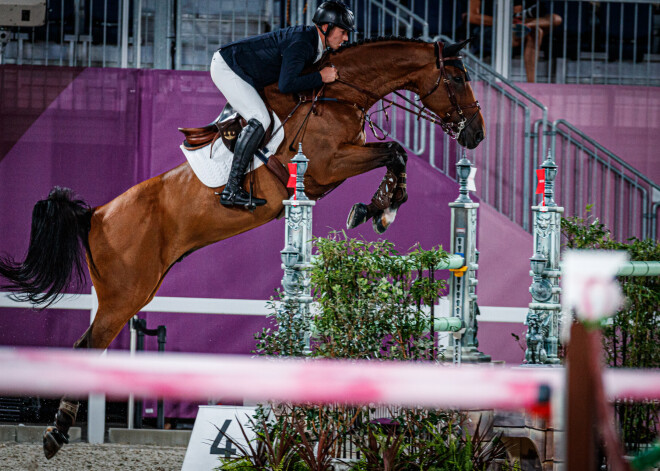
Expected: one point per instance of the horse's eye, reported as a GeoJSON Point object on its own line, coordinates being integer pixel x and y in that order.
{"type": "Point", "coordinates": [458, 79]}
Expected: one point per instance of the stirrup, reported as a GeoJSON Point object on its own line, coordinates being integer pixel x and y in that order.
{"type": "Point", "coordinates": [240, 197]}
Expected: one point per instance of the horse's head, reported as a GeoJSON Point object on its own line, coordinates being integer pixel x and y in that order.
{"type": "Point", "coordinates": [444, 88]}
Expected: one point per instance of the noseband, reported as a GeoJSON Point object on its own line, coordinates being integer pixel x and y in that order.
{"type": "Point", "coordinates": [451, 128]}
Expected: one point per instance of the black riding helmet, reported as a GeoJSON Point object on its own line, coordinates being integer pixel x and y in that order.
{"type": "Point", "coordinates": [334, 13]}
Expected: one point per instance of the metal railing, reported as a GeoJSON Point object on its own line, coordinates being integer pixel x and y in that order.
{"type": "Point", "coordinates": [160, 34]}
{"type": "Point", "coordinates": [608, 42]}
{"type": "Point", "coordinates": [518, 137]}
{"type": "Point", "coordinates": [512, 147]}
{"type": "Point", "coordinates": [622, 197]}
{"type": "Point", "coordinates": [585, 42]}
{"type": "Point", "coordinates": [203, 26]}
{"type": "Point", "coordinates": [388, 17]}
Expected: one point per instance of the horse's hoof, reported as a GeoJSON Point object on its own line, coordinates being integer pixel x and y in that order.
{"type": "Point", "coordinates": [383, 220]}
{"type": "Point", "coordinates": [378, 226]}
{"type": "Point", "coordinates": [53, 441]}
{"type": "Point", "coordinates": [377, 223]}
{"type": "Point", "coordinates": [357, 216]}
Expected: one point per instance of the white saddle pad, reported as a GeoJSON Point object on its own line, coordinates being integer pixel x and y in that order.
{"type": "Point", "coordinates": [214, 171]}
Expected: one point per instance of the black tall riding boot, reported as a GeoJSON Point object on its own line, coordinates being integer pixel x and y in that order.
{"type": "Point", "coordinates": [246, 145]}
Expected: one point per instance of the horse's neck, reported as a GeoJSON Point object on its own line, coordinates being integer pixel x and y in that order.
{"type": "Point", "coordinates": [384, 67]}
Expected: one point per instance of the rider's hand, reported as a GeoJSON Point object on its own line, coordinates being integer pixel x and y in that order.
{"type": "Point", "coordinates": [329, 74]}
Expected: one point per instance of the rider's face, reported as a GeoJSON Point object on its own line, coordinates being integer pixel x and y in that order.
{"type": "Point", "coordinates": [335, 37]}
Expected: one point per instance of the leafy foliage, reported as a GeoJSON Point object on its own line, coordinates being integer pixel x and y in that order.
{"type": "Point", "coordinates": [373, 305]}
{"type": "Point", "coordinates": [431, 440]}
{"type": "Point", "coordinates": [371, 299]}
{"type": "Point", "coordinates": [288, 339]}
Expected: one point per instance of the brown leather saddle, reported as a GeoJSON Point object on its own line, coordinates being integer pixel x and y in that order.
{"type": "Point", "coordinates": [227, 127]}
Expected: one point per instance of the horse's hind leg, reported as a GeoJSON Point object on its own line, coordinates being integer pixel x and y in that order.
{"type": "Point", "coordinates": [57, 435]}
{"type": "Point", "coordinates": [106, 326]}
{"type": "Point", "coordinates": [390, 194]}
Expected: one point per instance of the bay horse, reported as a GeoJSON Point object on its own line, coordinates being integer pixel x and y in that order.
{"type": "Point", "coordinates": [131, 242]}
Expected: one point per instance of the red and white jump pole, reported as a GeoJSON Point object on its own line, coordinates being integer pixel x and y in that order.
{"type": "Point", "coordinates": [52, 372]}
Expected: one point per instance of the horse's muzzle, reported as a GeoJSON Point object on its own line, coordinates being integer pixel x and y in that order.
{"type": "Point", "coordinates": [471, 136]}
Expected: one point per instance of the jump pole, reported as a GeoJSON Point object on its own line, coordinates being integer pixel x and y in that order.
{"type": "Point", "coordinates": [186, 376]}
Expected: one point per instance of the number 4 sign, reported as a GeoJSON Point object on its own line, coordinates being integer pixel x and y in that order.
{"type": "Point", "coordinates": [227, 451]}
{"type": "Point", "coordinates": [209, 442]}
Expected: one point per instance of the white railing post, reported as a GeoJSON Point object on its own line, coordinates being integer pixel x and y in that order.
{"type": "Point", "coordinates": [131, 398]}
{"type": "Point", "coordinates": [96, 402]}
{"type": "Point", "coordinates": [124, 33]}
{"type": "Point", "coordinates": [502, 46]}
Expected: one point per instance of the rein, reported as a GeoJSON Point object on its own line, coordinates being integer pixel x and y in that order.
{"type": "Point", "coordinates": [315, 98]}
{"type": "Point", "coordinates": [451, 128]}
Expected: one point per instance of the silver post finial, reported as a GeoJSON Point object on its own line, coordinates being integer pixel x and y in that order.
{"type": "Point", "coordinates": [550, 168]}
{"type": "Point", "coordinates": [302, 163]}
{"type": "Point", "coordinates": [463, 168]}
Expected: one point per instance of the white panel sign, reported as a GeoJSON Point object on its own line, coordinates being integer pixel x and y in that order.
{"type": "Point", "coordinates": [22, 12]}
{"type": "Point", "coordinates": [208, 441]}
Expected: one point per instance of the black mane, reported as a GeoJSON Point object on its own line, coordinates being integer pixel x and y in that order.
{"type": "Point", "coordinates": [378, 40]}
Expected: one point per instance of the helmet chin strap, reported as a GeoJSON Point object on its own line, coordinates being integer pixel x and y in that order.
{"type": "Point", "coordinates": [325, 33]}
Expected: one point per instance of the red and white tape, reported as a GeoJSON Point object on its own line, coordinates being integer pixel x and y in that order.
{"type": "Point", "coordinates": [52, 372]}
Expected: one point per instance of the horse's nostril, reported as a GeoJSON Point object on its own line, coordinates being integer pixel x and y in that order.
{"type": "Point", "coordinates": [479, 136]}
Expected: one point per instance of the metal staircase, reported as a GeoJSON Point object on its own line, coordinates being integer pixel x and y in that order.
{"type": "Point", "coordinates": [518, 137]}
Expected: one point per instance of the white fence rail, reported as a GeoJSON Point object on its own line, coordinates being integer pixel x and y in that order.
{"type": "Point", "coordinates": [244, 307]}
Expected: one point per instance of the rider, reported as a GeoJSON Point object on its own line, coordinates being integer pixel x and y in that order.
{"type": "Point", "coordinates": [241, 68]}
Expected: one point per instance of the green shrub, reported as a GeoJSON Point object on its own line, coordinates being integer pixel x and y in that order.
{"type": "Point", "coordinates": [372, 306]}
{"type": "Point", "coordinates": [371, 300]}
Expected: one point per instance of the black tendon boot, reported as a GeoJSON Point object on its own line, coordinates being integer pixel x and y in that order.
{"type": "Point", "coordinates": [246, 145]}
{"type": "Point", "coordinates": [58, 434]}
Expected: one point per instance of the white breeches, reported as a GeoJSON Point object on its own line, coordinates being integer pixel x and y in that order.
{"type": "Point", "coordinates": [240, 94]}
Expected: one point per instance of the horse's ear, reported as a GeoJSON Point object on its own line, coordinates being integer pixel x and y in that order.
{"type": "Point", "coordinates": [453, 49]}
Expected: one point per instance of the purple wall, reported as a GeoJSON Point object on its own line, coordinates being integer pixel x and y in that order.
{"type": "Point", "coordinates": [625, 119]}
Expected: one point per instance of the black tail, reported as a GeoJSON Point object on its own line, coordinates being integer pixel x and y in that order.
{"type": "Point", "coordinates": [54, 261]}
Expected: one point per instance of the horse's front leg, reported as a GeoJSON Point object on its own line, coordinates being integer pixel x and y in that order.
{"type": "Point", "coordinates": [390, 194]}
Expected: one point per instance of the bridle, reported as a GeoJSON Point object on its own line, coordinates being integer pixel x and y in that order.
{"type": "Point", "coordinates": [450, 127]}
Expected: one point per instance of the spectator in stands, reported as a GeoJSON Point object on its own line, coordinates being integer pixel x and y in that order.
{"type": "Point", "coordinates": [530, 24]}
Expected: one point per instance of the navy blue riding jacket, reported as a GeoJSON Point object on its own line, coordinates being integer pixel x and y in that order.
{"type": "Point", "coordinates": [279, 56]}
